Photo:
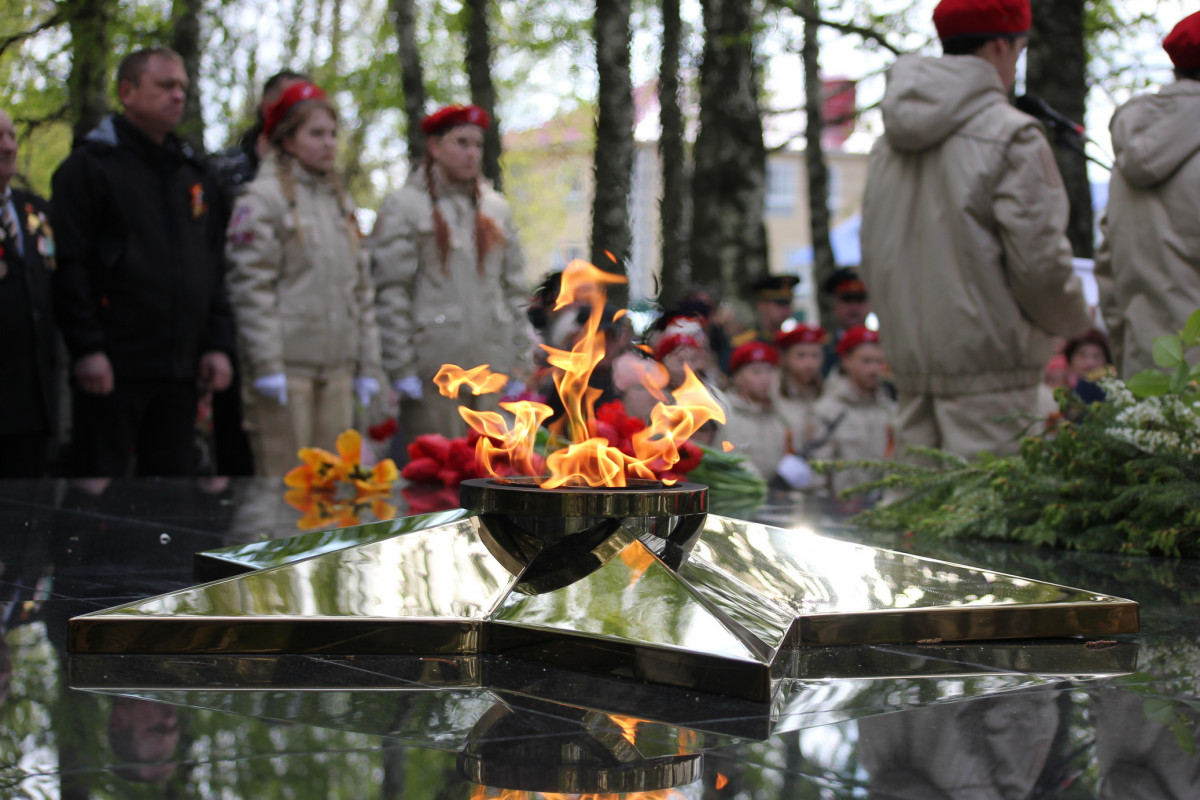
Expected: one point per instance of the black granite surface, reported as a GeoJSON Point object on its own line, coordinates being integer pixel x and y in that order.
{"type": "Point", "coordinates": [916, 722]}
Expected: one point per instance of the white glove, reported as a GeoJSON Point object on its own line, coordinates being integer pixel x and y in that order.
{"type": "Point", "coordinates": [795, 471]}
{"type": "Point", "coordinates": [273, 386]}
{"type": "Point", "coordinates": [366, 387]}
{"type": "Point", "coordinates": [409, 386]}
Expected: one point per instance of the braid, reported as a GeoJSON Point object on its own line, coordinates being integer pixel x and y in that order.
{"type": "Point", "coordinates": [441, 231]}
{"type": "Point", "coordinates": [287, 183]}
{"type": "Point", "coordinates": [487, 232]}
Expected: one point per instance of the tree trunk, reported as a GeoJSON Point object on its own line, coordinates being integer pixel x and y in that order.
{"type": "Point", "coordinates": [1057, 72]}
{"type": "Point", "coordinates": [675, 278]}
{"type": "Point", "coordinates": [613, 160]}
{"type": "Point", "coordinates": [483, 93]}
{"type": "Point", "coordinates": [728, 239]}
{"type": "Point", "coordinates": [814, 162]}
{"type": "Point", "coordinates": [87, 83]}
{"type": "Point", "coordinates": [185, 40]}
{"type": "Point", "coordinates": [412, 82]}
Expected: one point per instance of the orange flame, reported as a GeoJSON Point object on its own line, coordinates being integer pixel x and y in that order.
{"type": "Point", "coordinates": [480, 380]}
{"type": "Point", "coordinates": [586, 460]}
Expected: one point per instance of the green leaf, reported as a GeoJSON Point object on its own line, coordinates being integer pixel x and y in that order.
{"type": "Point", "coordinates": [1183, 735]}
{"type": "Point", "coordinates": [1159, 710]}
{"type": "Point", "coordinates": [1195, 373]}
{"type": "Point", "coordinates": [1179, 379]}
{"type": "Point", "coordinates": [1149, 383]}
{"type": "Point", "coordinates": [1168, 351]}
{"type": "Point", "coordinates": [1191, 329]}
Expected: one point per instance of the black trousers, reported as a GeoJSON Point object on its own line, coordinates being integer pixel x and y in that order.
{"type": "Point", "coordinates": [147, 422]}
{"type": "Point", "coordinates": [24, 455]}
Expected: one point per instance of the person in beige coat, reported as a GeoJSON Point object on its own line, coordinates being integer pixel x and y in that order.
{"type": "Point", "coordinates": [753, 427]}
{"type": "Point", "coordinates": [449, 277]}
{"type": "Point", "coordinates": [300, 286]}
{"type": "Point", "coordinates": [1148, 264]}
{"type": "Point", "coordinates": [853, 419]}
{"type": "Point", "coordinates": [964, 245]}
{"type": "Point", "coordinates": [801, 355]}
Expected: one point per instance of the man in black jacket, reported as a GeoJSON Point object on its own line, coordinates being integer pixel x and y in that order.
{"type": "Point", "coordinates": [27, 397]}
{"type": "Point", "coordinates": [139, 289]}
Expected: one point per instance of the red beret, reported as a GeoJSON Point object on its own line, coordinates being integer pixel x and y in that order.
{"type": "Point", "coordinates": [453, 116]}
{"type": "Point", "coordinates": [859, 334]}
{"type": "Point", "coordinates": [752, 353]}
{"type": "Point", "coordinates": [681, 332]}
{"type": "Point", "coordinates": [295, 93]}
{"type": "Point", "coordinates": [801, 334]}
{"type": "Point", "coordinates": [1183, 43]}
{"type": "Point", "coordinates": [982, 18]}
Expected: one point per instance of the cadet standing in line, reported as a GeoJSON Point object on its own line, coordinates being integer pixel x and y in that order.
{"type": "Point", "coordinates": [964, 237]}
{"type": "Point", "coordinates": [1148, 266]}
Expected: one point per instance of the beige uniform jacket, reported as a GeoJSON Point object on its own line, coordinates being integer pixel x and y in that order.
{"type": "Point", "coordinates": [964, 246]}
{"type": "Point", "coordinates": [757, 432]}
{"type": "Point", "coordinates": [431, 314]}
{"type": "Point", "coordinates": [302, 295]}
{"type": "Point", "coordinates": [798, 411]}
{"type": "Point", "coordinates": [1148, 265]}
{"type": "Point", "coordinates": [852, 426]}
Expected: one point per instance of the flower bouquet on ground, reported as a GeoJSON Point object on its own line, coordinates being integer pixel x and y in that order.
{"type": "Point", "coordinates": [335, 489]}
{"type": "Point", "coordinates": [1121, 475]}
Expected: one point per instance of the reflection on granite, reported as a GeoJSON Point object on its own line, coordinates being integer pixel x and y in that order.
{"type": "Point", "coordinates": [919, 721]}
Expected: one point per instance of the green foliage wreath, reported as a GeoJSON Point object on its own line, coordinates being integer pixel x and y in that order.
{"type": "Point", "coordinates": [1118, 476]}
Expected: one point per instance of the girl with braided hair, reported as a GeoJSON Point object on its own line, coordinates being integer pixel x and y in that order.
{"type": "Point", "coordinates": [299, 283]}
{"type": "Point", "coordinates": [449, 276]}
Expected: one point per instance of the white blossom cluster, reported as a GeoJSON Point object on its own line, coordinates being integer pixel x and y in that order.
{"type": "Point", "coordinates": [1165, 425]}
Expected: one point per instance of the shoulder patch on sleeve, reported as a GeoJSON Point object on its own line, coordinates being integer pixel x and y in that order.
{"type": "Point", "coordinates": [241, 229]}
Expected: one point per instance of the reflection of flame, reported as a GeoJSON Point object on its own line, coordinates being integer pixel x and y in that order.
{"type": "Point", "coordinates": [587, 459]}
{"type": "Point", "coordinates": [628, 726]}
{"type": "Point", "coordinates": [489, 793]}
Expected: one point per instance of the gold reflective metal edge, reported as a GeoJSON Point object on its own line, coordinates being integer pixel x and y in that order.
{"type": "Point", "coordinates": [275, 672]}
{"type": "Point", "coordinates": [845, 593]}
{"type": "Point", "coordinates": [211, 565]}
{"type": "Point", "coordinates": [1045, 658]}
{"type": "Point", "coordinates": [348, 601]}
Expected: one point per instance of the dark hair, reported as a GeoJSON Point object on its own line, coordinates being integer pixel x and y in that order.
{"type": "Point", "coordinates": [133, 66]}
{"type": "Point", "coordinates": [280, 77]}
{"type": "Point", "coordinates": [1191, 74]}
{"type": "Point", "coordinates": [1093, 336]}
{"type": "Point", "coordinates": [969, 43]}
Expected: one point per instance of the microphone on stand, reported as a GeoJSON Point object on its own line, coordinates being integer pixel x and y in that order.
{"type": "Point", "coordinates": [1067, 132]}
{"type": "Point", "coordinates": [1035, 106]}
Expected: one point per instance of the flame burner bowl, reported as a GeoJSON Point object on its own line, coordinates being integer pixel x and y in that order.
{"type": "Point", "coordinates": [553, 537]}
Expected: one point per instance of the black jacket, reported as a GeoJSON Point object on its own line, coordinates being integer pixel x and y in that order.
{"type": "Point", "coordinates": [140, 273]}
{"type": "Point", "coordinates": [27, 396]}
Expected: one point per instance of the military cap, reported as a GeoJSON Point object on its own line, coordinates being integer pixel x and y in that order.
{"type": "Point", "coordinates": [982, 18]}
{"type": "Point", "coordinates": [845, 282]}
{"type": "Point", "coordinates": [453, 116]}
{"type": "Point", "coordinates": [859, 334]}
{"type": "Point", "coordinates": [802, 333]}
{"type": "Point", "coordinates": [296, 93]}
{"type": "Point", "coordinates": [753, 353]}
{"type": "Point", "coordinates": [1183, 43]}
{"type": "Point", "coordinates": [777, 288]}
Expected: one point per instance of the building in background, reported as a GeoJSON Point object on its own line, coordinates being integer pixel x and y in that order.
{"type": "Point", "coordinates": [549, 180]}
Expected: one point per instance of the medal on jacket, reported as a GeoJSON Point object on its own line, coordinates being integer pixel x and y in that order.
{"type": "Point", "coordinates": [43, 235]}
{"type": "Point", "coordinates": [198, 207]}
